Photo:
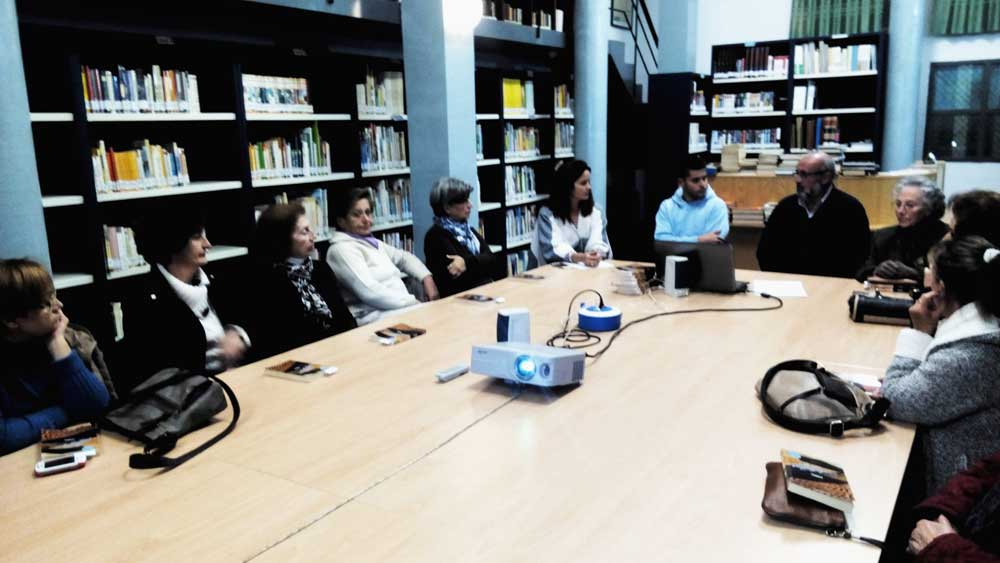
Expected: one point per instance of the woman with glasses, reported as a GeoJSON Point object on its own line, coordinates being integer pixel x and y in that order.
{"type": "Point", "coordinates": [457, 255]}
{"type": "Point", "coordinates": [370, 270]}
{"type": "Point", "coordinates": [52, 374]}
{"type": "Point", "coordinates": [303, 302]}
{"type": "Point", "coordinates": [900, 252]}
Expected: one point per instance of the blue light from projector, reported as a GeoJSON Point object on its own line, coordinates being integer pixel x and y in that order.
{"type": "Point", "coordinates": [524, 367]}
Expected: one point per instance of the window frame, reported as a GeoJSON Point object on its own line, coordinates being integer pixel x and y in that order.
{"type": "Point", "coordinates": [984, 115]}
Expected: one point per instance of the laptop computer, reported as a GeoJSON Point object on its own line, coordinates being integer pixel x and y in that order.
{"type": "Point", "coordinates": [711, 265]}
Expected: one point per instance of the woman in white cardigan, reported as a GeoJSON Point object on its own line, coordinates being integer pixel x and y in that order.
{"type": "Point", "coordinates": [570, 228]}
{"type": "Point", "coordinates": [369, 270]}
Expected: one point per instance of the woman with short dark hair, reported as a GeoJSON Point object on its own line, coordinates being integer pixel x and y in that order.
{"type": "Point", "coordinates": [900, 252]}
{"type": "Point", "coordinates": [944, 373]}
{"type": "Point", "coordinates": [300, 297]}
{"type": "Point", "coordinates": [456, 254]}
{"type": "Point", "coordinates": [175, 322]}
{"type": "Point", "coordinates": [570, 228]}
{"type": "Point", "coordinates": [369, 270]}
{"type": "Point", "coordinates": [51, 374]}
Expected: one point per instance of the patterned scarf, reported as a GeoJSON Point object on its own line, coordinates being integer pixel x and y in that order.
{"type": "Point", "coordinates": [299, 272]}
{"type": "Point", "coordinates": [461, 230]}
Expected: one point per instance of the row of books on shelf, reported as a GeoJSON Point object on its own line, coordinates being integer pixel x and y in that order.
{"type": "Point", "coordinates": [565, 134]}
{"type": "Point", "coordinates": [758, 137]}
{"type": "Point", "coordinates": [562, 100]}
{"type": "Point", "coordinates": [695, 136]}
{"type": "Point", "coordinates": [520, 222]}
{"type": "Point", "coordinates": [518, 97]}
{"type": "Point", "coordinates": [391, 201]}
{"type": "Point", "coordinates": [804, 96]}
{"type": "Point", "coordinates": [276, 94]}
{"type": "Point", "coordinates": [519, 183]}
{"type": "Point", "coordinates": [539, 18]}
{"type": "Point", "coordinates": [752, 62]}
{"type": "Point", "coordinates": [811, 133]}
{"type": "Point", "coordinates": [820, 58]}
{"type": "Point", "coordinates": [144, 167]}
{"type": "Point", "coordinates": [745, 102]}
{"type": "Point", "coordinates": [136, 91]}
{"type": "Point", "coordinates": [121, 250]}
{"type": "Point", "coordinates": [382, 148]}
{"type": "Point", "coordinates": [521, 141]}
{"type": "Point", "coordinates": [517, 262]}
{"type": "Point", "coordinates": [381, 93]}
{"type": "Point", "coordinates": [399, 240]}
{"type": "Point", "coordinates": [305, 155]}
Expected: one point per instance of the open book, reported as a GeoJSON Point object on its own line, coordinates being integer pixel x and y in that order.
{"type": "Point", "coordinates": [818, 480]}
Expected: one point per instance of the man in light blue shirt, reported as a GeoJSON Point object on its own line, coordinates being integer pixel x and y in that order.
{"type": "Point", "coordinates": [694, 213]}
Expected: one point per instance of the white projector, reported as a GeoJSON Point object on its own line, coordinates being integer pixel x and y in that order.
{"type": "Point", "coordinates": [532, 364]}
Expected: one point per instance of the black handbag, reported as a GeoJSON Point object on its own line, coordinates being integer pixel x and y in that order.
{"type": "Point", "coordinates": [802, 395]}
{"type": "Point", "coordinates": [168, 405]}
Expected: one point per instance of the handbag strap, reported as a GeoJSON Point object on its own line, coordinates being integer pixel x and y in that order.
{"type": "Point", "coordinates": [154, 454]}
{"type": "Point", "coordinates": [835, 428]}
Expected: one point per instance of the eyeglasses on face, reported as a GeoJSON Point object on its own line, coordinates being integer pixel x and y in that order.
{"type": "Point", "coordinates": [806, 174]}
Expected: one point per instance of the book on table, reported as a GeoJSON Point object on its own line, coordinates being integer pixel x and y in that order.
{"type": "Point", "coordinates": [817, 480]}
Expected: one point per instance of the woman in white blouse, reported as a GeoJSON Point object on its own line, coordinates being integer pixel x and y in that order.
{"type": "Point", "coordinates": [370, 271]}
{"type": "Point", "coordinates": [570, 228]}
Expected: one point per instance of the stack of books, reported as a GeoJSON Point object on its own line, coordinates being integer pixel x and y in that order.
{"type": "Point", "coordinates": [382, 148]}
{"type": "Point", "coordinates": [519, 183]}
{"type": "Point", "coordinates": [748, 217]}
{"type": "Point", "coordinates": [767, 162]}
{"type": "Point", "coordinates": [146, 166]}
{"type": "Point", "coordinates": [788, 164]}
{"type": "Point", "coordinates": [135, 91]}
{"type": "Point", "coordinates": [276, 94]}
{"type": "Point", "coordinates": [859, 168]}
{"type": "Point", "coordinates": [520, 224]}
{"type": "Point", "coordinates": [733, 156]}
{"type": "Point", "coordinates": [381, 94]}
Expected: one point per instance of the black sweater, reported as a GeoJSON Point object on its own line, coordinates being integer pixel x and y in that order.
{"type": "Point", "coordinates": [280, 322]}
{"type": "Point", "coordinates": [479, 268]}
{"type": "Point", "coordinates": [907, 245]}
{"type": "Point", "coordinates": [835, 242]}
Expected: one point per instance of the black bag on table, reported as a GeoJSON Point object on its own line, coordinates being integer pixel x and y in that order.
{"type": "Point", "coordinates": [802, 395]}
{"type": "Point", "coordinates": [168, 405]}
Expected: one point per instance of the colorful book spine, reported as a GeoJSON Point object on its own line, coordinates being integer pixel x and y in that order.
{"type": "Point", "coordinates": [518, 97]}
{"type": "Point", "coordinates": [381, 94]}
{"type": "Point", "coordinates": [517, 262]}
{"type": "Point", "coordinates": [759, 138]}
{"type": "Point", "coordinates": [121, 250]}
{"type": "Point", "coordinates": [521, 141]}
{"type": "Point", "coordinates": [304, 155]}
{"type": "Point", "coordinates": [519, 183]}
{"type": "Point", "coordinates": [137, 91]}
{"type": "Point", "coordinates": [399, 240]}
{"type": "Point", "coordinates": [382, 148]}
{"type": "Point", "coordinates": [563, 100]}
{"type": "Point", "coordinates": [276, 94]}
{"type": "Point", "coordinates": [146, 166]}
{"type": "Point", "coordinates": [565, 135]}
{"type": "Point", "coordinates": [391, 202]}
{"type": "Point", "coordinates": [520, 224]}
{"type": "Point", "coordinates": [746, 102]}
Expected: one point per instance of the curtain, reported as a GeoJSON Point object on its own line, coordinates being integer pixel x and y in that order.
{"type": "Point", "coordinates": [829, 17]}
{"type": "Point", "coordinates": [965, 17]}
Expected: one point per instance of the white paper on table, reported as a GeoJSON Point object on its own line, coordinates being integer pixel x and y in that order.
{"type": "Point", "coordinates": [779, 288]}
{"type": "Point", "coordinates": [581, 266]}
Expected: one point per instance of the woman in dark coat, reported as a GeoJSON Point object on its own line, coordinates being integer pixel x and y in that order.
{"type": "Point", "coordinates": [900, 252]}
{"type": "Point", "coordinates": [299, 299]}
{"type": "Point", "coordinates": [455, 253]}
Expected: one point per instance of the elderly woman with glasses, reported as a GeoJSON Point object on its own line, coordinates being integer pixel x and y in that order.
{"type": "Point", "coordinates": [900, 252]}
{"type": "Point", "coordinates": [456, 254]}
{"type": "Point", "coordinates": [303, 303]}
{"type": "Point", "coordinates": [371, 271]}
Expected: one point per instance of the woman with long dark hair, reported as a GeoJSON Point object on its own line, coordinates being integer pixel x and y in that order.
{"type": "Point", "coordinates": [570, 228]}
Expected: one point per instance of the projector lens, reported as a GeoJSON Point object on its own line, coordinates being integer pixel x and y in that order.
{"type": "Point", "coordinates": [524, 366]}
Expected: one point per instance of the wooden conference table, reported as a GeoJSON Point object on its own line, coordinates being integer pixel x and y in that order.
{"type": "Point", "coordinates": [658, 456]}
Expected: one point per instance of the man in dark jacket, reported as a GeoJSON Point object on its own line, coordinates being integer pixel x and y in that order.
{"type": "Point", "coordinates": [820, 230]}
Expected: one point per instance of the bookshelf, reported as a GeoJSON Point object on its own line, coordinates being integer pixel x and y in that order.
{"type": "Point", "coordinates": [827, 92]}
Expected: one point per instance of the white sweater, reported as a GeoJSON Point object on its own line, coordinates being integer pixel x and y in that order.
{"type": "Point", "coordinates": [370, 278]}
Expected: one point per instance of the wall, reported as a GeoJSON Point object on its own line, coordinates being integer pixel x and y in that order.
{"type": "Point", "coordinates": [960, 176]}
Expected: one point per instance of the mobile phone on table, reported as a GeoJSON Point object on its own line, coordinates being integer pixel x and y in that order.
{"type": "Point", "coordinates": [60, 464]}
{"type": "Point", "coordinates": [477, 297]}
